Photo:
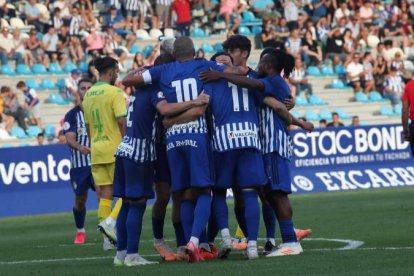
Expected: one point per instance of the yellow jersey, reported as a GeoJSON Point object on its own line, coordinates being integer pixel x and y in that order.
{"type": "Point", "coordinates": [102, 105]}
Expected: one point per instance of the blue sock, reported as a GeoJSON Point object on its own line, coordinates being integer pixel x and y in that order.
{"type": "Point", "coordinates": [179, 234]}
{"type": "Point", "coordinates": [134, 226]}
{"type": "Point", "coordinates": [203, 236]}
{"type": "Point", "coordinates": [212, 229]}
{"type": "Point", "coordinates": [187, 217]}
{"type": "Point", "coordinates": [158, 228]}
{"type": "Point", "coordinates": [269, 218]}
{"type": "Point", "coordinates": [79, 216]}
{"type": "Point", "coordinates": [251, 214]}
{"type": "Point", "coordinates": [220, 209]}
{"type": "Point", "coordinates": [121, 228]}
{"type": "Point", "coordinates": [239, 212]}
{"type": "Point", "coordinates": [201, 214]}
{"type": "Point", "coordinates": [287, 231]}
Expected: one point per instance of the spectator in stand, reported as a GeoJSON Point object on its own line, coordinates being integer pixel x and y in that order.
{"type": "Point", "coordinates": [162, 9]}
{"type": "Point", "coordinates": [335, 45]}
{"type": "Point", "coordinates": [354, 71]}
{"type": "Point", "coordinates": [7, 48]}
{"type": "Point", "coordinates": [379, 16]}
{"type": "Point", "coordinates": [56, 19]}
{"type": "Point", "coordinates": [406, 26]}
{"type": "Point", "coordinates": [114, 48]}
{"type": "Point", "coordinates": [299, 79]}
{"type": "Point", "coordinates": [391, 9]}
{"type": "Point", "coordinates": [341, 12]}
{"type": "Point", "coordinates": [323, 29]}
{"type": "Point", "coordinates": [368, 77]}
{"type": "Point", "coordinates": [63, 44]}
{"type": "Point", "coordinates": [335, 121]}
{"type": "Point", "coordinates": [61, 138]}
{"type": "Point", "coordinates": [268, 36]}
{"type": "Point", "coordinates": [32, 103]}
{"type": "Point", "coordinates": [264, 9]}
{"type": "Point", "coordinates": [319, 8]}
{"type": "Point", "coordinates": [354, 25]}
{"type": "Point", "coordinates": [86, 11]}
{"type": "Point", "coordinates": [181, 8]}
{"type": "Point", "coordinates": [380, 71]}
{"type": "Point", "coordinates": [398, 63]}
{"type": "Point", "coordinates": [291, 12]}
{"type": "Point", "coordinates": [50, 43]}
{"type": "Point", "coordinates": [145, 9]}
{"type": "Point", "coordinates": [282, 29]}
{"type": "Point", "coordinates": [115, 20]}
{"type": "Point", "coordinates": [71, 84]}
{"type": "Point", "coordinates": [19, 41]}
{"type": "Point", "coordinates": [7, 10]}
{"type": "Point", "coordinates": [34, 45]}
{"type": "Point", "coordinates": [409, 48]}
{"type": "Point", "coordinates": [366, 13]}
{"type": "Point", "coordinates": [200, 53]}
{"type": "Point", "coordinates": [5, 120]}
{"type": "Point", "coordinates": [294, 45]}
{"type": "Point", "coordinates": [393, 28]}
{"type": "Point", "coordinates": [41, 139]}
{"type": "Point", "coordinates": [355, 121]}
{"type": "Point", "coordinates": [393, 86]}
{"type": "Point", "coordinates": [322, 123]}
{"type": "Point", "coordinates": [139, 61]}
{"type": "Point", "coordinates": [312, 49]}
{"type": "Point", "coordinates": [95, 43]}
{"type": "Point", "coordinates": [132, 13]}
{"type": "Point", "coordinates": [349, 42]}
{"type": "Point", "coordinates": [64, 6]}
{"type": "Point", "coordinates": [32, 15]}
{"type": "Point", "coordinates": [76, 25]}
{"type": "Point", "coordinates": [12, 107]}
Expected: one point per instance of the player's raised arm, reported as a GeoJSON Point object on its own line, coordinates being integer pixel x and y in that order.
{"type": "Point", "coordinates": [243, 81]}
{"type": "Point", "coordinates": [172, 109]}
{"type": "Point", "coordinates": [134, 78]}
{"type": "Point", "coordinates": [308, 126]}
{"type": "Point", "coordinates": [187, 116]}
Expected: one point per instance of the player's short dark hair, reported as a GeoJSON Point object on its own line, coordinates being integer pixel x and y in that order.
{"type": "Point", "coordinates": [84, 80]}
{"type": "Point", "coordinates": [213, 57]}
{"type": "Point", "coordinates": [164, 59]}
{"type": "Point", "coordinates": [103, 64]}
{"type": "Point", "coordinates": [183, 48]}
{"type": "Point", "coordinates": [238, 42]}
{"type": "Point", "coordinates": [335, 114]}
{"type": "Point", "coordinates": [5, 89]}
{"type": "Point", "coordinates": [21, 84]}
{"type": "Point", "coordinates": [322, 121]}
{"type": "Point", "coordinates": [41, 134]}
{"type": "Point", "coordinates": [279, 60]}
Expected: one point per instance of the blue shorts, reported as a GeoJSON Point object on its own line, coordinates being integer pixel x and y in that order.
{"type": "Point", "coordinates": [242, 168]}
{"type": "Point", "coordinates": [133, 180]}
{"type": "Point", "coordinates": [278, 171]}
{"type": "Point", "coordinates": [190, 161]}
{"type": "Point", "coordinates": [162, 171]}
{"type": "Point", "coordinates": [81, 179]}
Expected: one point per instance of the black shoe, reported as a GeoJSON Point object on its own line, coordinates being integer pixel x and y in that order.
{"type": "Point", "coordinates": [268, 248]}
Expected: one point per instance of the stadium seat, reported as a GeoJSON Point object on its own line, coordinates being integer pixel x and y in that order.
{"type": "Point", "coordinates": [143, 35]}
{"type": "Point", "coordinates": [49, 130]}
{"type": "Point", "coordinates": [296, 114]}
{"type": "Point", "coordinates": [168, 33]}
{"type": "Point", "coordinates": [325, 114]}
{"type": "Point", "coordinates": [207, 48]}
{"type": "Point", "coordinates": [23, 69]}
{"type": "Point", "coordinates": [340, 69]}
{"type": "Point", "coordinates": [5, 146]}
{"type": "Point", "coordinates": [69, 66]}
{"type": "Point", "coordinates": [398, 109]}
{"type": "Point", "coordinates": [39, 35]}
{"type": "Point", "coordinates": [47, 84]}
{"type": "Point", "coordinates": [60, 83]}
{"type": "Point", "coordinates": [301, 101]}
{"type": "Point", "coordinates": [55, 68]}
{"type": "Point", "coordinates": [83, 66]}
{"type": "Point", "coordinates": [135, 49]}
{"type": "Point", "coordinates": [257, 30]}
{"type": "Point", "coordinates": [32, 83]}
{"type": "Point", "coordinates": [327, 71]}
{"type": "Point", "coordinates": [243, 30]}
{"type": "Point", "coordinates": [147, 51]}
{"type": "Point", "coordinates": [342, 114]}
{"type": "Point", "coordinates": [218, 47]}
{"type": "Point", "coordinates": [361, 97]}
{"type": "Point", "coordinates": [7, 70]}
{"type": "Point", "coordinates": [155, 33]}
{"type": "Point", "coordinates": [55, 98]}
{"type": "Point", "coordinates": [18, 132]}
{"type": "Point", "coordinates": [198, 33]}
{"type": "Point", "coordinates": [314, 71]}
{"type": "Point", "coordinates": [311, 116]}
{"type": "Point", "coordinates": [386, 111]}
{"type": "Point", "coordinates": [375, 96]}
{"type": "Point", "coordinates": [39, 69]}
{"type": "Point", "coordinates": [316, 100]}
{"type": "Point", "coordinates": [33, 131]}
{"type": "Point", "coordinates": [24, 145]}
{"type": "Point", "coordinates": [248, 16]}
{"type": "Point", "coordinates": [337, 84]}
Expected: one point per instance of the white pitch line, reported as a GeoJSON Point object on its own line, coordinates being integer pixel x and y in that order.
{"type": "Point", "coordinates": [351, 244]}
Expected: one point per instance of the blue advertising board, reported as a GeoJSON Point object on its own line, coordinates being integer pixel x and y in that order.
{"type": "Point", "coordinates": [35, 180]}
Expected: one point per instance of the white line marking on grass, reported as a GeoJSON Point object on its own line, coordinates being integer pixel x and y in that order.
{"type": "Point", "coordinates": [351, 244]}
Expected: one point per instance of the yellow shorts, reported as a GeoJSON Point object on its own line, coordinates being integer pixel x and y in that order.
{"type": "Point", "coordinates": [103, 174]}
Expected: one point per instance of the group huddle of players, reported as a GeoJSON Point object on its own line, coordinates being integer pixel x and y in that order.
{"type": "Point", "coordinates": [195, 128]}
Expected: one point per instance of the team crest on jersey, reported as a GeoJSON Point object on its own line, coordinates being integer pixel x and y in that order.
{"type": "Point", "coordinates": [80, 131]}
{"type": "Point", "coordinates": [66, 126]}
{"type": "Point", "coordinates": [160, 95]}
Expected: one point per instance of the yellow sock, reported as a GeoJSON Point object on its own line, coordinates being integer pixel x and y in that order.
{"type": "Point", "coordinates": [115, 210]}
{"type": "Point", "coordinates": [104, 209]}
{"type": "Point", "coordinates": [239, 233]}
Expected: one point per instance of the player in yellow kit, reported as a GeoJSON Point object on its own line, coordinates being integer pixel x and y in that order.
{"type": "Point", "coordinates": [105, 111]}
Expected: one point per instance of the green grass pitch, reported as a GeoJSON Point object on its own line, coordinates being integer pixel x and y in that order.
{"type": "Point", "coordinates": [382, 219]}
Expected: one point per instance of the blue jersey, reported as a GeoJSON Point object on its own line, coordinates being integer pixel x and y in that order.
{"type": "Point", "coordinates": [235, 119]}
{"type": "Point", "coordinates": [179, 82]}
{"type": "Point", "coordinates": [74, 121]}
{"type": "Point", "coordinates": [273, 130]}
{"type": "Point", "coordinates": [138, 144]}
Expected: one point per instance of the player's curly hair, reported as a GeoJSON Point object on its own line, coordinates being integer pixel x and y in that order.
{"type": "Point", "coordinates": [103, 64]}
{"type": "Point", "coordinates": [280, 60]}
